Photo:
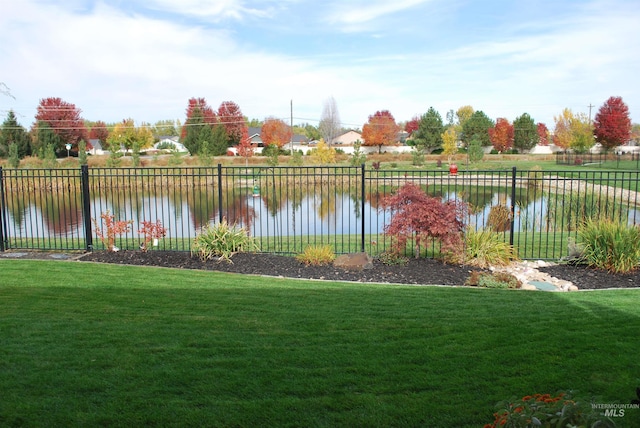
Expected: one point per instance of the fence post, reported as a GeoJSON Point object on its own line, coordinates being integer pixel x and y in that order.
{"type": "Point", "coordinates": [1, 210]}
{"type": "Point", "coordinates": [513, 205]}
{"type": "Point", "coordinates": [362, 206]}
{"type": "Point", "coordinates": [220, 192]}
{"type": "Point", "coordinates": [86, 207]}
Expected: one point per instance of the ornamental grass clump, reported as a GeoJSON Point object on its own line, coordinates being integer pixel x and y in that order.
{"type": "Point", "coordinates": [610, 245]}
{"type": "Point", "coordinates": [317, 255]}
{"type": "Point", "coordinates": [485, 248]}
{"type": "Point", "coordinates": [222, 241]}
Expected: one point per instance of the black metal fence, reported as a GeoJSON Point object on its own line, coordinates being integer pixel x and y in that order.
{"type": "Point", "coordinates": [288, 208]}
{"type": "Point", "coordinates": [604, 160]}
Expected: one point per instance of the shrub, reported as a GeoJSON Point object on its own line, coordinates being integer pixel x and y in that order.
{"type": "Point", "coordinates": [419, 216]}
{"type": "Point", "coordinates": [610, 245]}
{"type": "Point", "coordinates": [112, 228]}
{"type": "Point", "coordinates": [223, 241]}
{"type": "Point", "coordinates": [545, 410]}
{"type": "Point", "coordinates": [493, 280]}
{"type": "Point", "coordinates": [317, 255]}
{"type": "Point", "coordinates": [484, 248]}
{"type": "Point", "coordinates": [358, 157]}
{"type": "Point", "coordinates": [151, 231]}
{"type": "Point", "coordinates": [393, 258]}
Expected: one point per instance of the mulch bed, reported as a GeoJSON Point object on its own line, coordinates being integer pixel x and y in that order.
{"type": "Point", "coordinates": [420, 271]}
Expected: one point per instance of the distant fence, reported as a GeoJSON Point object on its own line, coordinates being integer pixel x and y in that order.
{"type": "Point", "coordinates": [288, 208]}
{"type": "Point", "coordinates": [607, 160]}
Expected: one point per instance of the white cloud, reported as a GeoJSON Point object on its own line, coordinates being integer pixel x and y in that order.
{"type": "Point", "coordinates": [213, 10]}
{"type": "Point", "coordinates": [362, 12]}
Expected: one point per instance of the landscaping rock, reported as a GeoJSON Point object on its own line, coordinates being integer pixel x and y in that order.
{"type": "Point", "coordinates": [354, 261]}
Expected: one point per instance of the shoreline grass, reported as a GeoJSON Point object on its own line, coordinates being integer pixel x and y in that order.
{"type": "Point", "coordinates": [89, 345]}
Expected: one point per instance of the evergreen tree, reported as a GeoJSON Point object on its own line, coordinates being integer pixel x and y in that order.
{"type": "Point", "coordinates": [429, 134]}
{"type": "Point", "coordinates": [477, 127]}
{"type": "Point", "coordinates": [12, 133]}
{"type": "Point", "coordinates": [525, 133]}
{"type": "Point", "coordinates": [219, 140]}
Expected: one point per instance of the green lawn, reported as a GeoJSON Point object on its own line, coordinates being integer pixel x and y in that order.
{"type": "Point", "coordinates": [102, 345]}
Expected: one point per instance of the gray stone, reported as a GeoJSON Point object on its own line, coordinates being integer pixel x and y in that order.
{"type": "Point", "coordinates": [354, 261]}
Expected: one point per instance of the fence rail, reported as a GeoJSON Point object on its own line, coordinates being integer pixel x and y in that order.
{"type": "Point", "coordinates": [288, 208]}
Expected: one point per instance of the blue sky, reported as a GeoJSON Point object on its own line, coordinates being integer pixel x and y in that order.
{"type": "Point", "coordinates": [144, 59]}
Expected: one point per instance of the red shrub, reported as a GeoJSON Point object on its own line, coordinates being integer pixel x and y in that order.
{"type": "Point", "coordinates": [422, 217]}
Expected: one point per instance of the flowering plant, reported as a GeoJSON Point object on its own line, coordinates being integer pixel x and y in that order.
{"type": "Point", "coordinates": [545, 410]}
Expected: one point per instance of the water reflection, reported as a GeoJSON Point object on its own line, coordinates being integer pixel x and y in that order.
{"type": "Point", "coordinates": [291, 210]}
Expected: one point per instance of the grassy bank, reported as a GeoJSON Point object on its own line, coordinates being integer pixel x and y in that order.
{"type": "Point", "coordinates": [90, 345]}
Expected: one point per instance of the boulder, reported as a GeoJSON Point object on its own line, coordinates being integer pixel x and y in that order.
{"type": "Point", "coordinates": [354, 261]}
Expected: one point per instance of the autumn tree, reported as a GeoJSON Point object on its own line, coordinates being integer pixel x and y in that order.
{"type": "Point", "coordinates": [323, 154]}
{"type": "Point", "coordinates": [166, 128]}
{"type": "Point", "coordinates": [562, 129]}
{"type": "Point", "coordinates": [525, 133]}
{"type": "Point", "coordinates": [463, 114]}
{"type": "Point", "coordinates": [501, 135]}
{"type": "Point", "coordinates": [412, 126]}
{"type": "Point", "coordinates": [430, 128]}
{"type": "Point", "coordinates": [477, 127]}
{"type": "Point", "coordinates": [231, 117]}
{"type": "Point", "coordinates": [246, 148]}
{"type": "Point", "coordinates": [581, 133]}
{"type": "Point", "coordinates": [543, 134]}
{"type": "Point", "coordinates": [275, 132]}
{"type": "Point", "coordinates": [450, 142]}
{"type": "Point", "coordinates": [329, 125]}
{"type": "Point", "coordinates": [380, 130]}
{"type": "Point", "coordinates": [99, 131]}
{"type": "Point", "coordinates": [126, 135]}
{"type": "Point", "coordinates": [572, 131]}
{"type": "Point", "coordinates": [612, 124]}
{"type": "Point", "coordinates": [199, 116]}
{"type": "Point", "coordinates": [13, 134]}
{"type": "Point", "coordinates": [63, 119]}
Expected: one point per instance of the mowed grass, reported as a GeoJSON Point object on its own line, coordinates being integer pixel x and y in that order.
{"type": "Point", "coordinates": [101, 345]}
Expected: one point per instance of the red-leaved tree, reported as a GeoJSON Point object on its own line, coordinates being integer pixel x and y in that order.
{"type": "Point", "coordinates": [205, 114]}
{"type": "Point", "coordinates": [380, 130]}
{"type": "Point", "coordinates": [275, 132]}
{"type": "Point", "coordinates": [543, 133]}
{"type": "Point", "coordinates": [612, 124]}
{"type": "Point", "coordinates": [413, 125]}
{"type": "Point", "coordinates": [99, 131]}
{"type": "Point", "coordinates": [63, 119]}
{"type": "Point", "coordinates": [246, 148]}
{"type": "Point", "coordinates": [501, 135]}
{"type": "Point", "coordinates": [231, 117]}
{"type": "Point", "coordinates": [421, 217]}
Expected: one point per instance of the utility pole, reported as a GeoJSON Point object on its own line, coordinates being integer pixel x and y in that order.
{"type": "Point", "coordinates": [291, 142]}
{"type": "Point", "coordinates": [590, 107]}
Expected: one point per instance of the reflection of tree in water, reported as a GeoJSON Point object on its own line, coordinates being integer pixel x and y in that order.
{"type": "Point", "coordinates": [17, 207]}
{"type": "Point", "coordinates": [62, 211]}
{"type": "Point", "coordinates": [202, 207]}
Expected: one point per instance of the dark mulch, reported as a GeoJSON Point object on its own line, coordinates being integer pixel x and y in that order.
{"type": "Point", "coordinates": [421, 271]}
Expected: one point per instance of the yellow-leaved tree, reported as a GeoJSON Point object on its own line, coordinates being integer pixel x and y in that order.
{"type": "Point", "coordinates": [450, 142]}
{"type": "Point", "coordinates": [323, 154]}
{"type": "Point", "coordinates": [125, 134]}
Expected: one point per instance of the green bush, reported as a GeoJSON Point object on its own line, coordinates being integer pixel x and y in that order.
{"type": "Point", "coordinates": [610, 245]}
{"type": "Point", "coordinates": [223, 241]}
{"type": "Point", "coordinates": [485, 248]}
{"type": "Point", "coordinates": [493, 280]}
{"type": "Point", "coordinates": [393, 258]}
{"type": "Point", "coordinates": [317, 255]}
